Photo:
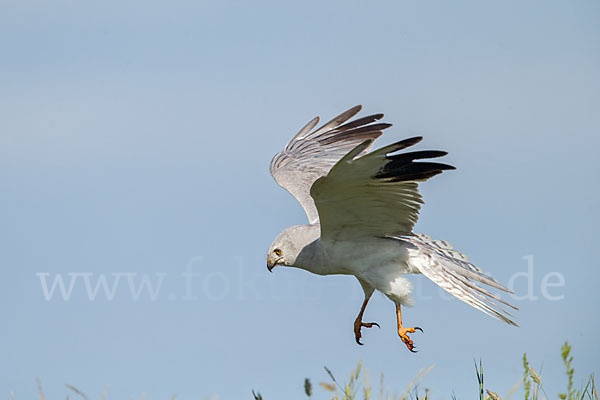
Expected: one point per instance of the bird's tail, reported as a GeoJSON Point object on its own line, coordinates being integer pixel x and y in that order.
{"type": "Point", "coordinates": [452, 271]}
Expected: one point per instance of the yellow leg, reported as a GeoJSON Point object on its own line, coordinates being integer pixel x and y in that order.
{"type": "Point", "coordinates": [358, 324]}
{"type": "Point", "coordinates": [403, 332]}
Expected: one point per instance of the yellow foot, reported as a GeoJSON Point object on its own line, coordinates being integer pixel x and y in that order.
{"type": "Point", "coordinates": [358, 324]}
{"type": "Point", "coordinates": [403, 333]}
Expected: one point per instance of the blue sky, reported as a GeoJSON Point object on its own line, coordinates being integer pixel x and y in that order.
{"type": "Point", "coordinates": [135, 139]}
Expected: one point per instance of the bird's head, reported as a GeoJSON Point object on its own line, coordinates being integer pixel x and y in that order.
{"type": "Point", "coordinates": [287, 247]}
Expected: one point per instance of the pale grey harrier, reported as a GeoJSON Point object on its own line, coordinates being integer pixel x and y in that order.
{"type": "Point", "coordinates": [361, 208]}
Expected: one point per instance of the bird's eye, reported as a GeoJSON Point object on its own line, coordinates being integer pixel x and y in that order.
{"type": "Point", "coordinates": [277, 252]}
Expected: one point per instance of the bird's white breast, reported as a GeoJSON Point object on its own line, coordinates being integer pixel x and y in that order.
{"type": "Point", "coordinates": [382, 263]}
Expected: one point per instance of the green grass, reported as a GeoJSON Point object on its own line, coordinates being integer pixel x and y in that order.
{"type": "Point", "coordinates": [358, 386]}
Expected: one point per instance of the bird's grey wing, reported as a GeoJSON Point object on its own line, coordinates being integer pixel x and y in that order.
{"type": "Point", "coordinates": [375, 194]}
{"type": "Point", "coordinates": [311, 153]}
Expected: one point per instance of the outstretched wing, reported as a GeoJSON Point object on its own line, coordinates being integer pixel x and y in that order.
{"type": "Point", "coordinates": [310, 155]}
{"type": "Point", "coordinates": [375, 194]}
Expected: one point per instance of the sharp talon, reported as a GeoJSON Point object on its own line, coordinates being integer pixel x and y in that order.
{"type": "Point", "coordinates": [403, 332]}
{"type": "Point", "coordinates": [358, 342]}
{"type": "Point", "coordinates": [369, 324]}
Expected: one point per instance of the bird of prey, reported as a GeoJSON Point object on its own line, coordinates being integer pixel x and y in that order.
{"type": "Point", "coordinates": [361, 207]}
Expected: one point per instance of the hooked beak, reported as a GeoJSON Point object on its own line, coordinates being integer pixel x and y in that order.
{"type": "Point", "coordinates": [271, 264]}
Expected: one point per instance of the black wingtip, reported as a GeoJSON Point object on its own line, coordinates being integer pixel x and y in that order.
{"type": "Point", "coordinates": [401, 171]}
{"type": "Point", "coordinates": [409, 142]}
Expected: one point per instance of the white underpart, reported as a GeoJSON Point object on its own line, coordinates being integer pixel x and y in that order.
{"type": "Point", "coordinates": [383, 263]}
